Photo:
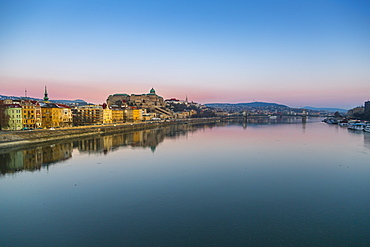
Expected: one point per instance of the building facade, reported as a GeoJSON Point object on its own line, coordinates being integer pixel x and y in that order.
{"type": "Point", "coordinates": [87, 115]}
{"type": "Point", "coordinates": [118, 115]}
{"type": "Point", "coordinates": [55, 115]}
{"type": "Point", "coordinates": [367, 110]}
{"type": "Point", "coordinates": [14, 111]}
{"type": "Point", "coordinates": [145, 101]}
{"type": "Point", "coordinates": [31, 112]}
{"type": "Point", "coordinates": [133, 115]}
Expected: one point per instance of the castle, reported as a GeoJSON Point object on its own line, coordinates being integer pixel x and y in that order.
{"type": "Point", "coordinates": [148, 101]}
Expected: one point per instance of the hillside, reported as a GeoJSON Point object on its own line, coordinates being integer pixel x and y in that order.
{"type": "Point", "coordinates": [66, 102]}
{"type": "Point", "coordinates": [251, 104]}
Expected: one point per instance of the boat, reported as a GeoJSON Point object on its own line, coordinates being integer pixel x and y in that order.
{"type": "Point", "coordinates": [330, 120]}
{"type": "Point", "coordinates": [343, 123]}
{"type": "Point", "coordinates": [356, 126]}
{"type": "Point", "coordinates": [367, 127]}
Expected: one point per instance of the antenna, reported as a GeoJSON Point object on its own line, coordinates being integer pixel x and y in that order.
{"type": "Point", "coordinates": [25, 93]}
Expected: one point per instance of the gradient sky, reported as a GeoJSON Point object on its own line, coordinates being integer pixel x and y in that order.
{"type": "Point", "coordinates": [295, 52]}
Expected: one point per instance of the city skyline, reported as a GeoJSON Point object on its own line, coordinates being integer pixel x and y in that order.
{"type": "Point", "coordinates": [314, 53]}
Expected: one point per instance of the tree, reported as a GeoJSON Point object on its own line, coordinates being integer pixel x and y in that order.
{"type": "Point", "coordinates": [4, 118]}
{"type": "Point", "coordinates": [337, 115]}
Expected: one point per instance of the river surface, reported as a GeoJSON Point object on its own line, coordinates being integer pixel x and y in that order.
{"type": "Point", "coordinates": [283, 182]}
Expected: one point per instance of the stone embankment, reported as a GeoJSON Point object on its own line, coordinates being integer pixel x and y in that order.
{"type": "Point", "coordinates": [27, 137]}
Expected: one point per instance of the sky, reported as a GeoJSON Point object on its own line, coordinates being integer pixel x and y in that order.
{"type": "Point", "coordinates": [293, 52]}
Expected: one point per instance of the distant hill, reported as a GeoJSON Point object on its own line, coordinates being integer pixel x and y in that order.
{"type": "Point", "coordinates": [261, 104]}
{"type": "Point", "coordinates": [251, 104]}
{"type": "Point", "coordinates": [76, 101]}
{"type": "Point", "coordinates": [325, 109]}
{"type": "Point", "coordinates": [66, 102]}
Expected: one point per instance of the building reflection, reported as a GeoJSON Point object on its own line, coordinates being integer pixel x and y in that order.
{"type": "Point", "coordinates": [139, 139]}
{"type": "Point", "coordinates": [33, 159]}
{"type": "Point", "coordinates": [367, 140]}
{"type": "Point", "coordinates": [267, 120]}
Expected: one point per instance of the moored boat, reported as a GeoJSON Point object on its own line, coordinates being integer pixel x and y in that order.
{"type": "Point", "coordinates": [343, 123]}
{"type": "Point", "coordinates": [356, 126]}
{"type": "Point", "coordinates": [330, 120]}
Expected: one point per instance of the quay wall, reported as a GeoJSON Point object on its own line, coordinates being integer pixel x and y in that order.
{"type": "Point", "coordinates": [27, 137]}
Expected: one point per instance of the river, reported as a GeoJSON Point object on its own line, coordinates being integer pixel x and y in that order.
{"type": "Point", "coordinates": [261, 182]}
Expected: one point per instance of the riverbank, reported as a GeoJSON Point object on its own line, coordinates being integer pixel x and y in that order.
{"type": "Point", "coordinates": [27, 137]}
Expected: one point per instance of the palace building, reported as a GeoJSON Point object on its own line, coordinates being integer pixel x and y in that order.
{"type": "Point", "coordinates": [146, 101]}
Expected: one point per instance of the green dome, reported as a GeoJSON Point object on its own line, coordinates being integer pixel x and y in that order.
{"type": "Point", "coordinates": [152, 90]}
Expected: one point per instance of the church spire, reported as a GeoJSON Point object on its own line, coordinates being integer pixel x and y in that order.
{"type": "Point", "coordinates": [46, 98]}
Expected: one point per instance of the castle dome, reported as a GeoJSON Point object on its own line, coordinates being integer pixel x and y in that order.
{"type": "Point", "coordinates": [152, 91]}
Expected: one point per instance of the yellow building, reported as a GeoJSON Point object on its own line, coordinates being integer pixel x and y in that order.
{"type": "Point", "coordinates": [55, 115]}
{"type": "Point", "coordinates": [31, 112]}
{"type": "Point", "coordinates": [118, 115]}
{"type": "Point", "coordinates": [133, 115]}
{"type": "Point", "coordinates": [107, 116]}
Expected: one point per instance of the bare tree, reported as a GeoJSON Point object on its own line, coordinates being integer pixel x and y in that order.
{"type": "Point", "coordinates": [4, 118]}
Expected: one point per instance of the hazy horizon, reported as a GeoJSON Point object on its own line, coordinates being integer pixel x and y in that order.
{"type": "Point", "coordinates": [314, 53]}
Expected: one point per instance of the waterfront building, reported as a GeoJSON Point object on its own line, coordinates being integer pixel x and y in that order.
{"type": "Point", "coordinates": [31, 112]}
{"type": "Point", "coordinates": [55, 115]}
{"type": "Point", "coordinates": [148, 116]}
{"type": "Point", "coordinates": [133, 115]}
{"type": "Point", "coordinates": [66, 116]}
{"type": "Point", "coordinates": [118, 115]}
{"type": "Point", "coordinates": [88, 115]}
{"type": "Point", "coordinates": [107, 116]}
{"type": "Point", "coordinates": [14, 111]}
{"type": "Point", "coordinates": [367, 109]}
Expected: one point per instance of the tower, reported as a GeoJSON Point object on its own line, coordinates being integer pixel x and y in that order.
{"type": "Point", "coordinates": [46, 98]}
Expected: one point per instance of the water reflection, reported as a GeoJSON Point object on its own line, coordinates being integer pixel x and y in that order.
{"type": "Point", "coordinates": [266, 120]}
{"type": "Point", "coordinates": [33, 159]}
{"type": "Point", "coordinates": [367, 140]}
{"type": "Point", "coordinates": [36, 158]}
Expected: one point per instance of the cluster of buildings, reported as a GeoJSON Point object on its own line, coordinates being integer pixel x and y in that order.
{"type": "Point", "coordinates": [31, 114]}
{"type": "Point", "coordinates": [360, 112]}
{"type": "Point", "coordinates": [262, 109]}
{"type": "Point", "coordinates": [120, 108]}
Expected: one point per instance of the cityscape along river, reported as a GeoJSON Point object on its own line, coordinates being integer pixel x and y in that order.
{"type": "Point", "coordinates": [261, 182]}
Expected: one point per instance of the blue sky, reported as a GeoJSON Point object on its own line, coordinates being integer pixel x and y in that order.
{"type": "Point", "coordinates": [291, 52]}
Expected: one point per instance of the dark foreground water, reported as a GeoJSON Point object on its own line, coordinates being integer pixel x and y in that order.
{"type": "Point", "coordinates": [261, 183]}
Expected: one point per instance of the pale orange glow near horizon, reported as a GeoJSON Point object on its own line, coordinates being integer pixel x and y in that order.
{"type": "Point", "coordinates": [97, 93]}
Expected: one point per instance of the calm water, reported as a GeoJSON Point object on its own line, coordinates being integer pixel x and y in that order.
{"type": "Point", "coordinates": [261, 183]}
